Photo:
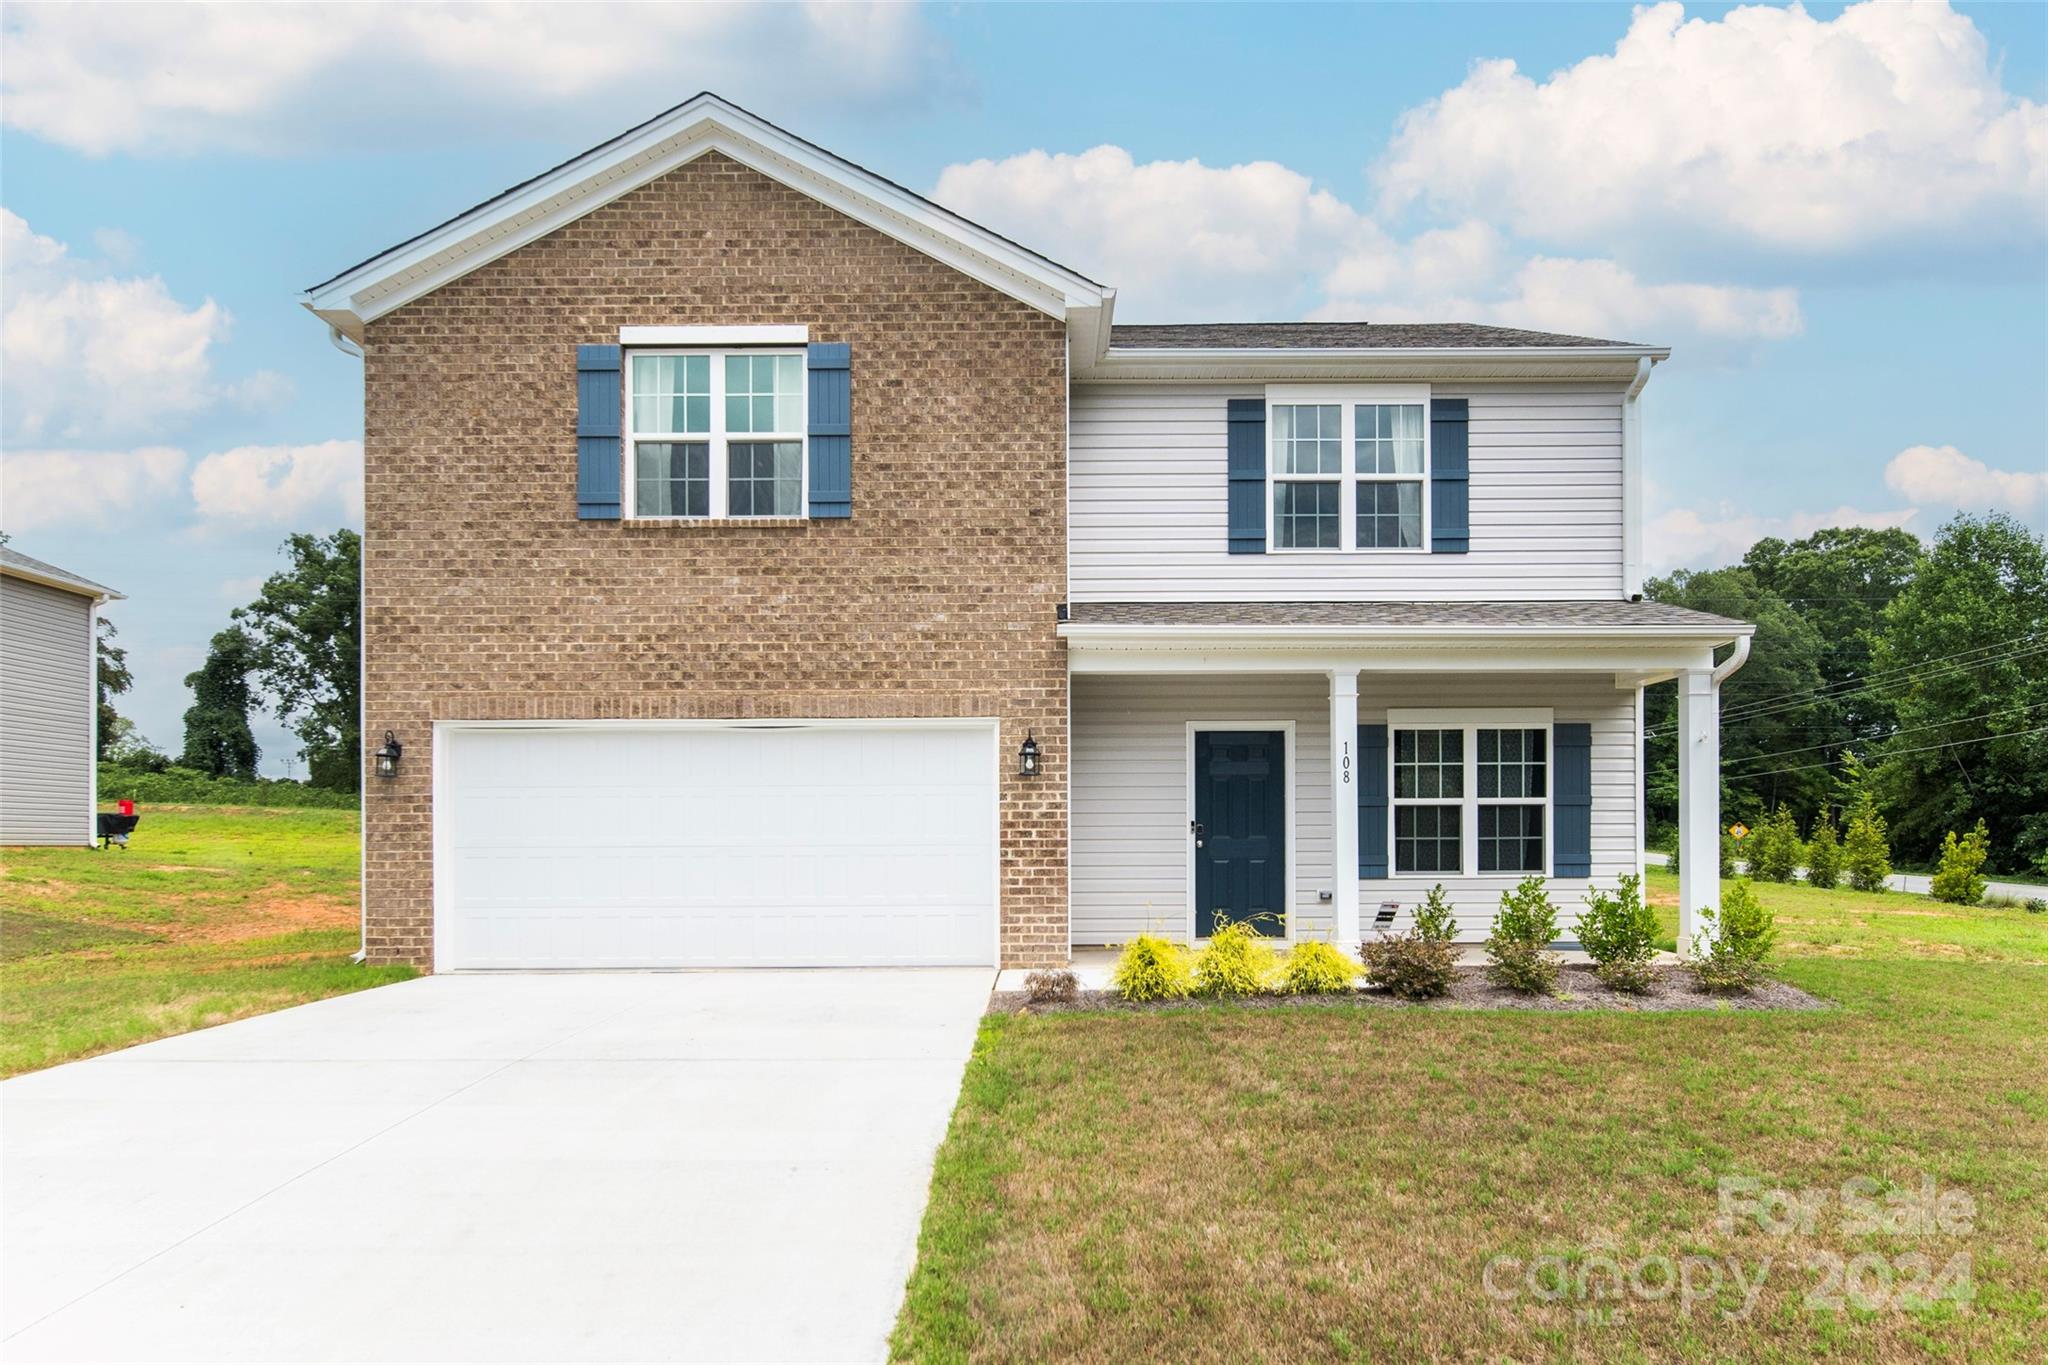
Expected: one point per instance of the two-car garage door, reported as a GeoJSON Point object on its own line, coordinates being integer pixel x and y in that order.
{"type": "Point", "coordinates": [617, 845]}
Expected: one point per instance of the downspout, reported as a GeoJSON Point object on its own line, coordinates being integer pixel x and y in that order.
{"type": "Point", "coordinates": [343, 343]}
{"type": "Point", "coordinates": [349, 347]}
{"type": "Point", "coordinates": [1725, 670]}
{"type": "Point", "coordinates": [1632, 482]}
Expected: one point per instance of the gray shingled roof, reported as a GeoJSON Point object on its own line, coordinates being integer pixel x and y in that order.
{"type": "Point", "coordinates": [1340, 336]}
{"type": "Point", "coordinates": [1418, 615]}
{"type": "Point", "coordinates": [15, 559]}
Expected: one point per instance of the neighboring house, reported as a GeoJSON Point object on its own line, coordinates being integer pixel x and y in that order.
{"type": "Point", "coordinates": [49, 702]}
{"type": "Point", "coordinates": [735, 519]}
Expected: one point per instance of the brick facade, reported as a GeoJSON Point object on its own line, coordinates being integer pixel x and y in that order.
{"type": "Point", "coordinates": [487, 599]}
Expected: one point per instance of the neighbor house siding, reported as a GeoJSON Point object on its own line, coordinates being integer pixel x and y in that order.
{"type": "Point", "coordinates": [1592, 699]}
{"type": "Point", "coordinates": [46, 710]}
{"type": "Point", "coordinates": [1130, 803]}
{"type": "Point", "coordinates": [487, 598]}
{"type": "Point", "coordinates": [1150, 517]}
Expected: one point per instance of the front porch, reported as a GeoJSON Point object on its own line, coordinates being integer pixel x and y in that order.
{"type": "Point", "coordinates": [1317, 768]}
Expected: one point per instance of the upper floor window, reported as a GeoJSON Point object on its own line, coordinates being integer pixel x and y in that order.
{"type": "Point", "coordinates": [1349, 469]}
{"type": "Point", "coordinates": [715, 434]}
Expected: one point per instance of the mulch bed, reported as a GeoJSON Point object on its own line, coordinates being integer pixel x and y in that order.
{"type": "Point", "coordinates": [1577, 990]}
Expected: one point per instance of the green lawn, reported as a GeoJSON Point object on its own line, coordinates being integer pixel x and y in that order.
{"type": "Point", "coordinates": [1233, 1185]}
{"type": "Point", "coordinates": [212, 914]}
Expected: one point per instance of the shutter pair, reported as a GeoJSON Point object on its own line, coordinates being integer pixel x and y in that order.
{"type": "Point", "coordinates": [1450, 519]}
{"type": "Point", "coordinates": [1571, 801]}
{"type": "Point", "coordinates": [600, 456]}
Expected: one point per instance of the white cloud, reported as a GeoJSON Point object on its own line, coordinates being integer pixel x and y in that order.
{"type": "Point", "coordinates": [87, 355]}
{"type": "Point", "coordinates": [281, 485]}
{"type": "Point", "coordinates": [1256, 241]}
{"type": "Point", "coordinates": [1684, 537]}
{"type": "Point", "coordinates": [1767, 126]}
{"type": "Point", "coordinates": [75, 488]}
{"type": "Point", "coordinates": [1945, 477]}
{"type": "Point", "coordinates": [278, 78]}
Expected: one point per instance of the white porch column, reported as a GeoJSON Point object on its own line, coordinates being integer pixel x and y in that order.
{"type": "Point", "coordinates": [1699, 799]}
{"type": "Point", "coordinates": [1344, 804]}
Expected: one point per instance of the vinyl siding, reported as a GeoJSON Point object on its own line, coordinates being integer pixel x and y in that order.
{"type": "Point", "coordinates": [1149, 520]}
{"type": "Point", "coordinates": [46, 703]}
{"type": "Point", "coordinates": [1130, 803]}
{"type": "Point", "coordinates": [1130, 795]}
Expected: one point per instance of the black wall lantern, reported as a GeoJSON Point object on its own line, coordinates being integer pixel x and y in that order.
{"type": "Point", "coordinates": [1027, 757]}
{"type": "Point", "coordinates": [388, 756]}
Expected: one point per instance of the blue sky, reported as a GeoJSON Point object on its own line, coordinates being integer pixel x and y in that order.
{"type": "Point", "coordinates": [1839, 217]}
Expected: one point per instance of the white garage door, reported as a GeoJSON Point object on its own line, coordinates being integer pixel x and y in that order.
{"type": "Point", "coordinates": [607, 845]}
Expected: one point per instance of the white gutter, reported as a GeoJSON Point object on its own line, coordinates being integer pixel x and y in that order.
{"type": "Point", "coordinates": [1165, 634]}
{"type": "Point", "coordinates": [1726, 668]}
{"type": "Point", "coordinates": [1632, 482]}
{"type": "Point", "coordinates": [343, 342]}
{"type": "Point", "coordinates": [1647, 353]}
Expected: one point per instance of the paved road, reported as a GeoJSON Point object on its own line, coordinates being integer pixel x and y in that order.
{"type": "Point", "coordinates": [689, 1166]}
{"type": "Point", "coordinates": [1907, 881]}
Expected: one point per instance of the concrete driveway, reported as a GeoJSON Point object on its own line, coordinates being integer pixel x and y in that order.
{"type": "Point", "coordinates": [689, 1166]}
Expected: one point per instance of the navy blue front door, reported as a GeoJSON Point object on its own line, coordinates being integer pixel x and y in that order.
{"type": "Point", "coordinates": [1241, 830]}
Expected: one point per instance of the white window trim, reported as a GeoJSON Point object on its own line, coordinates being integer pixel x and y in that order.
{"type": "Point", "coordinates": [1471, 722]}
{"type": "Point", "coordinates": [720, 464]}
{"type": "Point", "coordinates": [1347, 397]}
{"type": "Point", "coordinates": [774, 335]}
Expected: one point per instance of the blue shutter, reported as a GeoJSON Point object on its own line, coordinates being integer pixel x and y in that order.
{"type": "Point", "coordinates": [1571, 841]}
{"type": "Point", "coordinates": [831, 433]}
{"type": "Point", "coordinates": [1450, 477]}
{"type": "Point", "coordinates": [598, 409]}
{"type": "Point", "coordinates": [1247, 476]}
{"type": "Point", "coordinates": [1372, 802]}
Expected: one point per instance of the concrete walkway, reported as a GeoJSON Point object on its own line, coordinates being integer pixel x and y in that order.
{"type": "Point", "coordinates": [694, 1166]}
{"type": "Point", "coordinates": [1906, 881]}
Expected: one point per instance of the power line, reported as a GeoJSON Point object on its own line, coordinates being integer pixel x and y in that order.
{"type": "Point", "coordinates": [1880, 682]}
{"type": "Point", "coordinates": [1879, 739]}
{"type": "Point", "coordinates": [1897, 753]}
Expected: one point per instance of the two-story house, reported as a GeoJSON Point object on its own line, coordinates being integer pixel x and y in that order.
{"type": "Point", "coordinates": [764, 565]}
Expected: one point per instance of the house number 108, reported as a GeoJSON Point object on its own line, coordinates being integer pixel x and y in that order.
{"type": "Point", "coordinates": [1344, 764]}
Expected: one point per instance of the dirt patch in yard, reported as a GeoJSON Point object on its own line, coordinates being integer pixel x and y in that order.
{"type": "Point", "coordinates": [265, 916]}
{"type": "Point", "coordinates": [1578, 990]}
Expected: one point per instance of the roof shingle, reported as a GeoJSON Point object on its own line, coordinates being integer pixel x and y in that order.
{"type": "Point", "coordinates": [1310, 336]}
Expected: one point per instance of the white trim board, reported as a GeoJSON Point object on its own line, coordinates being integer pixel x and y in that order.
{"type": "Point", "coordinates": [699, 126]}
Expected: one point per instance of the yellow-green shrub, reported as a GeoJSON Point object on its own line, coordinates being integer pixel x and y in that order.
{"type": "Point", "coordinates": [1152, 968]}
{"type": "Point", "coordinates": [1316, 968]}
{"type": "Point", "coordinates": [1236, 962]}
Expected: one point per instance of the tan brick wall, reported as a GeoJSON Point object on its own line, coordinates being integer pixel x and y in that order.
{"type": "Point", "coordinates": [487, 599]}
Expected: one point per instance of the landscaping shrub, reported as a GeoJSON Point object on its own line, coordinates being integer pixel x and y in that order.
{"type": "Point", "coordinates": [1959, 879]}
{"type": "Point", "coordinates": [1151, 968]}
{"type": "Point", "coordinates": [1733, 959]}
{"type": "Point", "coordinates": [1620, 935]}
{"type": "Point", "coordinates": [1236, 962]}
{"type": "Point", "coordinates": [2037, 906]}
{"type": "Point", "coordinates": [1411, 966]}
{"type": "Point", "coordinates": [190, 787]}
{"type": "Point", "coordinates": [1823, 852]}
{"type": "Point", "coordinates": [1051, 986]}
{"type": "Point", "coordinates": [1317, 968]}
{"type": "Point", "coordinates": [1866, 847]}
{"type": "Point", "coordinates": [1434, 919]}
{"type": "Point", "coordinates": [1777, 851]}
{"type": "Point", "coordinates": [1519, 946]}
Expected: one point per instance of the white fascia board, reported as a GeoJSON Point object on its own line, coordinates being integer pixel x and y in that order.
{"type": "Point", "coordinates": [793, 335]}
{"type": "Point", "coordinates": [1550, 636]}
{"type": "Point", "coordinates": [701, 126]}
{"type": "Point", "coordinates": [1646, 659]}
{"type": "Point", "coordinates": [1273, 364]}
{"type": "Point", "coordinates": [79, 586]}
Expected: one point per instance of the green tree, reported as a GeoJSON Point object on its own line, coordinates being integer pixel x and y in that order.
{"type": "Point", "coordinates": [114, 679]}
{"type": "Point", "coordinates": [217, 736]}
{"type": "Point", "coordinates": [1959, 879]}
{"type": "Point", "coordinates": [1784, 662]}
{"type": "Point", "coordinates": [1866, 848]}
{"type": "Point", "coordinates": [1967, 642]}
{"type": "Point", "coordinates": [1778, 848]}
{"type": "Point", "coordinates": [307, 624]}
{"type": "Point", "coordinates": [1823, 852]}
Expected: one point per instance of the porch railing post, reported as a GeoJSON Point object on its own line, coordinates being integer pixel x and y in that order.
{"type": "Point", "coordinates": [1344, 804]}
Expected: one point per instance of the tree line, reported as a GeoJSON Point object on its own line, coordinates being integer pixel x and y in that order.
{"type": "Point", "coordinates": [295, 650]}
{"type": "Point", "coordinates": [1911, 676]}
